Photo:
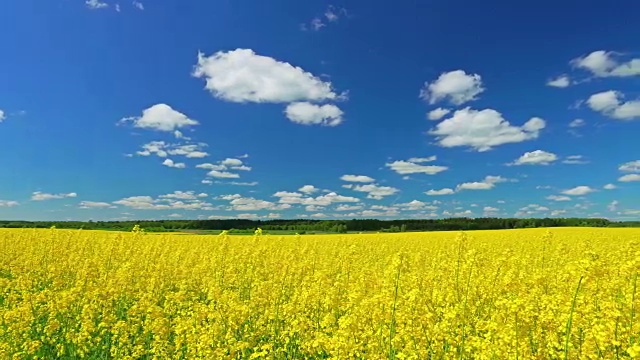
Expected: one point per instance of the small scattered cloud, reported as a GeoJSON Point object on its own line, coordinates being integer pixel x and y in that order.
{"type": "Point", "coordinates": [488, 183]}
{"type": "Point", "coordinates": [609, 187]}
{"type": "Point", "coordinates": [357, 178]}
{"type": "Point", "coordinates": [631, 166]}
{"type": "Point", "coordinates": [577, 123]}
{"type": "Point", "coordinates": [95, 205]}
{"type": "Point", "coordinates": [613, 206]}
{"type": "Point", "coordinates": [331, 15]}
{"type": "Point", "coordinates": [423, 160]}
{"type": "Point", "coordinates": [437, 114]}
{"type": "Point", "coordinates": [96, 4]}
{"type": "Point", "coordinates": [629, 178]}
{"type": "Point", "coordinates": [373, 191]}
{"type": "Point", "coordinates": [603, 63]}
{"type": "Point", "coordinates": [575, 160]}
{"type": "Point", "coordinates": [138, 5]}
{"type": "Point", "coordinates": [2, 116]}
{"type": "Point", "coordinates": [578, 190]}
{"type": "Point", "coordinates": [308, 189]}
{"type": "Point", "coordinates": [537, 157]}
{"type": "Point", "coordinates": [457, 87]}
{"type": "Point", "coordinates": [412, 167]}
{"type": "Point", "coordinates": [561, 81]}
{"type": "Point", "coordinates": [445, 191]}
{"type": "Point", "coordinates": [8, 203]}
{"type": "Point", "coordinates": [610, 103]}
{"type": "Point", "coordinates": [40, 196]}
{"type": "Point", "coordinates": [170, 163]}
{"type": "Point", "coordinates": [482, 130]}
{"type": "Point", "coordinates": [558, 198]}
{"type": "Point", "coordinates": [160, 117]}
{"type": "Point", "coordinates": [306, 113]}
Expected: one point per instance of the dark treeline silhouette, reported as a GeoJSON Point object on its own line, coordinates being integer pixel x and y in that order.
{"type": "Point", "coordinates": [334, 226]}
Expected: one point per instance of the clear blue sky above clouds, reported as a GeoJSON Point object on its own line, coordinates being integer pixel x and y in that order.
{"type": "Point", "coordinates": [288, 109]}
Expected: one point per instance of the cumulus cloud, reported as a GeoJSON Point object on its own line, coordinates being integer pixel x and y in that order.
{"type": "Point", "coordinates": [308, 189]}
{"type": "Point", "coordinates": [457, 87]}
{"type": "Point", "coordinates": [170, 163]}
{"type": "Point", "coordinates": [174, 201]}
{"type": "Point", "coordinates": [413, 167]}
{"type": "Point", "coordinates": [357, 178]}
{"type": "Point", "coordinates": [483, 129]}
{"type": "Point", "coordinates": [488, 183]}
{"type": "Point", "coordinates": [561, 81]}
{"type": "Point", "coordinates": [578, 190]}
{"type": "Point", "coordinates": [138, 5]}
{"type": "Point", "coordinates": [94, 205]}
{"type": "Point", "coordinates": [241, 75]}
{"type": "Point", "coordinates": [445, 191]}
{"type": "Point", "coordinates": [631, 166]}
{"type": "Point", "coordinates": [537, 157]}
{"type": "Point", "coordinates": [558, 198]}
{"type": "Point", "coordinates": [160, 117]}
{"type": "Point", "coordinates": [306, 113]}
{"type": "Point", "coordinates": [629, 178]}
{"type": "Point", "coordinates": [609, 187]}
{"type": "Point", "coordinates": [610, 103]}
{"type": "Point", "coordinates": [373, 191]}
{"type": "Point", "coordinates": [322, 200]}
{"type": "Point", "coordinates": [603, 63]}
{"type": "Point", "coordinates": [613, 206]}
{"type": "Point", "coordinates": [40, 196]}
{"type": "Point", "coordinates": [96, 4]}
{"type": "Point", "coordinates": [8, 203]}
{"type": "Point", "coordinates": [437, 114]}
{"type": "Point", "coordinates": [345, 207]}
{"type": "Point", "coordinates": [222, 174]}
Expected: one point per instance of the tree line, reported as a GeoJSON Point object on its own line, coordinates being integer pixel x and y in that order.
{"type": "Point", "coordinates": [328, 226]}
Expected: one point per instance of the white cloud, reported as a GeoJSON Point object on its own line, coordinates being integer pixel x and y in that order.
{"type": "Point", "coordinates": [182, 195]}
{"type": "Point", "coordinates": [484, 129]}
{"type": "Point", "coordinates": [604, 64]}
{"type": "Point", "coordinates": [537, 157]}
{"type": "Point", "coordinates": [231, 162]}
{"type": "Point", "coordinates": [2, 115]}
{"type": "Point", "coordinates": [445, 191]}
{"type": "Point", "coordinates": [561, 81]}
{"type": "Point", "coordinates": [579, 190]}
{"type": "Point", "coordinates": [422, 160]}
{"type": "Point", "coordinates": [488, 183]}
{"type": "Point", "coordinates": [243, 76]}
{"type": "Point", "coordinates": [176, 201]}
{"type": "Point", "coordinates": [210, 166]}
{"type": "Point", "coordinates": [171, 164]}
{"type": "Point", "coordinates": [613, 206]}
{"type": "Point", "coordinates": [251, 204]}
{"type": "Point", "coordinates": [8, 203]}
{"type": "Point", "coordinates": [357, 178]}
{"type": "Point", "coordinates": [40, 196]}
{"type": "Point", "coordinates": [577, 123]}
{"type": "Point", "coordinates": [322, 200]}
{"type": "Point", "coordinates": [96, 4]}
{"type": "Point", "coordinates": [306, 113]}
{"type": "Point", "coordinates": [94, 204]}
{"type": "Point", "coordinates": [629, 178]}
{"type": "Point", "coordinates": [162, 149]}
{"type": "Point", "coordinates": [415, 205]}
{"type": "Point", "coordinates": [138, 5]}
{"type": "Point", "coordinates": [558, 212]}
{"type": "Point", "coordinates": [374, 191]}
{"type": "Point", "coordinates": [575, 160]}
{"type": "Point", "coordinates": [558, 198]}
{"type": "Point", "coordinates": [631, 166]}
{"type": "Point", "coordinates": [222, 174]}
{"type": "Point", "coordinates": [457, 87]}
{"type": "Point", "coordinates": [610, 103]}
{"type": "Point", "coordinates": [161, 117]}
{"type": "Point", "coordinates": [609, 187]}
{"type": "Point", "coordinates": [437, 114]}
{"type": "Point", "coordinates": [407, 167]}
{"type": "Point", "coordinates": [308, 189]}
{"type": "Point", "coordinates": [237, 183]}
{"type": "Point", "coordinates": [332, 14]}
{"type": "Point", "coordinates": [345, 207]}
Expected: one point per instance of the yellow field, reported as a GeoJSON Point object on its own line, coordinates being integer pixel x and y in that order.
{"type": "Point", "coordinates": [512, 294]}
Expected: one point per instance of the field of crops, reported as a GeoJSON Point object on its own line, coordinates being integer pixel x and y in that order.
{"type": "Point", "coordinates": [511, 294]}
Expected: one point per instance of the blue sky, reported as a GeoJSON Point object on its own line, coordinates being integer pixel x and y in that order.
{"type": "Point", "coordinates": [285, 109]}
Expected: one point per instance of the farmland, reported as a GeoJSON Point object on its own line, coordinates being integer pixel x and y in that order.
{"type": "Point", "coordinates": [527, 294]}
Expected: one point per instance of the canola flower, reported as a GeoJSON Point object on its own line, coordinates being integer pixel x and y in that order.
{"type": "Point", "coordinates": [568, 293]}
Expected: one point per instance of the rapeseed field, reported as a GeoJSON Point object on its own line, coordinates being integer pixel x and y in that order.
{"type": "Point", "coordinates": [566, 293]}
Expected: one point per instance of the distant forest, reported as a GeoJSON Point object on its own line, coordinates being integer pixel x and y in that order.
{"type": "Point", "coordinates": [323, 226]}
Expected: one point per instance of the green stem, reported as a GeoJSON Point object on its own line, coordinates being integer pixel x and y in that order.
{"type": "Point", "coordinates": [573, 305]}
